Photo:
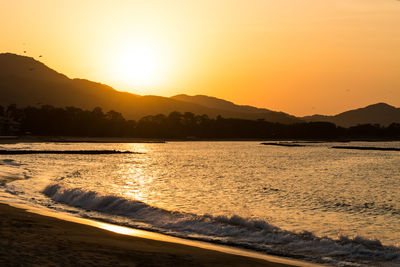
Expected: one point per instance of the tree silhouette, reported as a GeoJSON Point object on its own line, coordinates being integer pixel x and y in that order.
{"type": "Point", "coordinates": [71, 121]}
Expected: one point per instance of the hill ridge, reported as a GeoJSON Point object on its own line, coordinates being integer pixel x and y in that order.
{"type": "Point", "coordinates": [379, 113]}
{"type": "Point", "coordinates": [214, 102]}
{"type": "Point", "coordinates": [26, 81]}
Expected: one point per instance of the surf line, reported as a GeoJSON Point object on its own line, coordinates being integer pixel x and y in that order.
{"type": "Point", "coordinates": [161, 237]}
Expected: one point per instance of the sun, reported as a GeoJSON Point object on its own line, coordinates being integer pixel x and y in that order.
{"type": "Point", "coordinates": [137, 65]}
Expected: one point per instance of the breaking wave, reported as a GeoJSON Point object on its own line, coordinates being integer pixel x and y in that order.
{"type": "Point", "coordinates": [235, 230]}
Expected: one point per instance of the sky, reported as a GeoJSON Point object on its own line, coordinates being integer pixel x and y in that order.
{"type": "Point", "coordinates": [302, 57]}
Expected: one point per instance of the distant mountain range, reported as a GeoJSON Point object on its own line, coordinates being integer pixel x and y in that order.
{"type": "Point", "coordinates": [25, 81]}
{"type": "Point", "coordinates": [246, 112]}
{"type": "Point", "coordinates": [380, 113]}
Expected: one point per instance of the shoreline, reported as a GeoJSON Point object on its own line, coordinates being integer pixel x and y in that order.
{"type": "Point", "coordinates": [67, 139]}
{"type": "Point", "coordinates": [30, 236]}
{"type": "Point", "coordinates": [62, 139]}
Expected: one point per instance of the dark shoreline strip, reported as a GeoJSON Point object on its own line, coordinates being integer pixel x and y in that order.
{"type": "Point", "coordinates": [282, 144]}
{"type": "Point", "coordinates": [73, 152]}
{"type": "Point", "coordinates": [29, 239]}
{"type": "Point", "coordinates": [367, 148]}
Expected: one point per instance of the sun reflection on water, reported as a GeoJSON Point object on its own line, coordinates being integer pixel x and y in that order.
{"type": "Point", "coordinates": [137, 182]}
{"type": "Point", "coordinates": [117, 229]}
{"type": "Point", "coordinates": [325, 191]}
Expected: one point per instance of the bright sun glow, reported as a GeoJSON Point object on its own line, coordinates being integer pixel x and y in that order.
{"type": "Point", "coordinates": [137, 65]}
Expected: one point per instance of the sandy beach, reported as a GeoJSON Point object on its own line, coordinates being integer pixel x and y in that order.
{"type": "Point", "coordinates": [29, 239]}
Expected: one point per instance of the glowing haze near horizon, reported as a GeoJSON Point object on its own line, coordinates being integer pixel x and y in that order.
{"type": "Point", "coordinates": [301, 57]}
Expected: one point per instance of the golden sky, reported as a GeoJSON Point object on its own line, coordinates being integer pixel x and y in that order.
{"type": "Point", "coordinates": [298, 56]}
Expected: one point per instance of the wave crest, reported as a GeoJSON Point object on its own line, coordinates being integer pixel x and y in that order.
{"type": "Point", "coordinates": [234, 230]}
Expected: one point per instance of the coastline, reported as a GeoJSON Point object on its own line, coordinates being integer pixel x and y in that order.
{"type": "Point", "coordinates": [29, 238]}
{"type": "Point", "coordinates": [69, 139]}
{"type": "Point", "coordinates": [19, 168]}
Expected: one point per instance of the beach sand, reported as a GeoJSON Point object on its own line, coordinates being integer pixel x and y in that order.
{"type": "Point", "coordinates": [29, 239]}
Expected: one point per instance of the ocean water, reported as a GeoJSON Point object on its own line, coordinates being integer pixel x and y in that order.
{"type": "Point", "coordinates": [340, 207]}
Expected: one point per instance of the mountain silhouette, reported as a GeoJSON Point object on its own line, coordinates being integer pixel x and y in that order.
{"type": "Point", "coordinates": [12, 65]}
{"type": "Point", "coordinates": [25, 81]}
{"type": "Point", "coordinates": [247, 112]}
{"type": "Point", "coordinates": [213, 102]}
{"type": "Point", "coordinates": [380, 113]}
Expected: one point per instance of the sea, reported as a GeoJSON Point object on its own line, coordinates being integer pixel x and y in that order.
{"type": "Point", "coordinates": [312, 202]}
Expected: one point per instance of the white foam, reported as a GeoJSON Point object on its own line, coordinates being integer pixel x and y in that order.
{"type": "Point", "coordinates": [235, 230]}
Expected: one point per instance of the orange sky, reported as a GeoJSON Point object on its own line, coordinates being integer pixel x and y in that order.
{"type": "Point", "coordinates": [298, 56]}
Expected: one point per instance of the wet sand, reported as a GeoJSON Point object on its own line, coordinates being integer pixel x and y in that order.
{"type": "Point", "coordinates": [29, 239]}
